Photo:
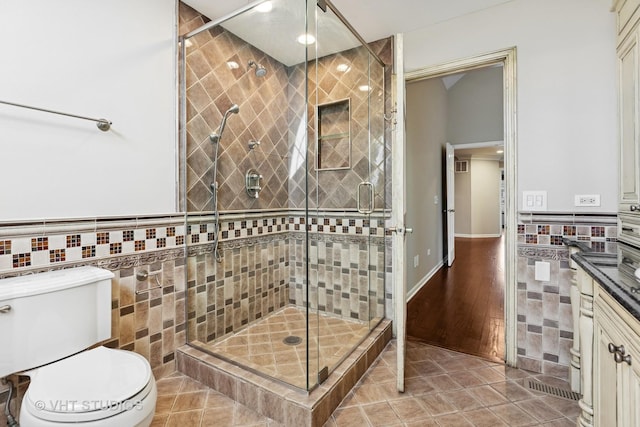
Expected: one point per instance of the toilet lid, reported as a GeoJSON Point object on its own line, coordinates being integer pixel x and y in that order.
{"type": "Point", "coordinates": [93, 380]}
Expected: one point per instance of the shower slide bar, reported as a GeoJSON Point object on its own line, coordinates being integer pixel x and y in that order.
{"type": "Point", "coordinates": [103, 124]}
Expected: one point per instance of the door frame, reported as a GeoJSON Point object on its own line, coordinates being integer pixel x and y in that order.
{"type": "Point", "coordinates": [508, 58]}
{"type": "Point", "coordinates": [398, 210]}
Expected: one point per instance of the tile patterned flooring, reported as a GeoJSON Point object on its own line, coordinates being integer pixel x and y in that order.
{"type": "Point", "coordinates": [261, 345]}
{"type": "Point", "coordinates": [443, 388]}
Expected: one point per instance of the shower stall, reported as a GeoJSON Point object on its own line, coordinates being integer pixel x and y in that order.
{"type": "Point", "coordinates": [284, 171]}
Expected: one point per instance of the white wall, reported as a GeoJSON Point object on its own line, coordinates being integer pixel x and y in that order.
{"type": "Point", "coordinates": [426, 125]}
{"type": "Point", "coordinates": [475, 107]}
{"type": "Point", "coordinates": [485, 197]}
{"type": "Point", "coordinates": [566, 89]}
{"type": "Point", "coordinates": [112, 59]}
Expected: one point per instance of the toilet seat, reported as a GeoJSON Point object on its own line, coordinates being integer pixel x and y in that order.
{"type": "Point", "coordinates": [89, 386]}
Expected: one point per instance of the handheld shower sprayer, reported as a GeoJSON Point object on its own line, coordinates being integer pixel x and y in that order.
{"type": "Point", "coordinates": [215, 136]}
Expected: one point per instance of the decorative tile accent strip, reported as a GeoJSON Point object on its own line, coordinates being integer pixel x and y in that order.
{"type": "Point", "coordinates": [5, 247]}
{"type": "Point", "coordinates": [73, 241]}
{"type": "Point", "coordinates": [57, 255]}
{"type": "Point", "coordinates": [102, 238]}
{"type": "Point", "coordinates": [40, 244]}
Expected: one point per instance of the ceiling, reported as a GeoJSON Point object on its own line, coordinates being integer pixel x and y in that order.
{"type": "Point", "coordinates": [373, 19]}
{"type": "Point", "coordinates": [486, 153]}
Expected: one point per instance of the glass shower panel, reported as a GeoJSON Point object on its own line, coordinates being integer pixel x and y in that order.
{"type": "Point", "coordinates": [378, 151]}
{"type": "Point", "coordinates": [244, 141]}
{"type": "Point", "coordinates": [283, 181]}
{"type": "Point", "coordinates": [346, 188]}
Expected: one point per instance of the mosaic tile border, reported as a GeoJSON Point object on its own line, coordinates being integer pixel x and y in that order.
{"type": "Point", "coordinates": [547, 229]}
{"type": "Point", "coordinates": [32, 245]}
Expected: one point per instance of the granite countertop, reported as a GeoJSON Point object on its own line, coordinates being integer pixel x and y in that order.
{"type": "Point", "coordinates": [616, 278]}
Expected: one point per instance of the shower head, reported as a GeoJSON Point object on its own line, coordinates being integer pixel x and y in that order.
{"type": "Point", "coordinates": [260, 70]}
{"type": "Point", "coordinates": [234, 109]}
{"type": "Point", "coordinates": [215, 137]}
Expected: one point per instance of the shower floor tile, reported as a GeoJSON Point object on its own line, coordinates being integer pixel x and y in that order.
{"type": "Point", "coordinates": [261, 346]}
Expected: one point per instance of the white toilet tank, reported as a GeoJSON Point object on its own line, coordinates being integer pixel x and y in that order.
{"type": "Point", "coordinates": [47, 316]}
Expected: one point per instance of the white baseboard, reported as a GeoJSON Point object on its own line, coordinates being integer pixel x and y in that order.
{"type": "Point", "coordinates": [476, 236]}
{"type": "Point", "coordinates": [424, 280]}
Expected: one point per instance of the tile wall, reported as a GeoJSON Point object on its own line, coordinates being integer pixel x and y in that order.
{"type": "Point", "coordinates": [263, 249]}
{"type": "Point", "coordinates": [150, 323]}
{"type": "Point", "coordinates": [263, 269]}
{"type": "Point", "coordinates": [545, 325]}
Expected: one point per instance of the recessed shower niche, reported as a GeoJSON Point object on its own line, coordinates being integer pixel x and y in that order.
{"type": "Point", "coordinates": [334, 135]}
{"type": "Point", "coordinates": [300, 260]}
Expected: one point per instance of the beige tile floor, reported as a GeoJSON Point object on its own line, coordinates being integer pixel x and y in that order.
{"type": "Point", "coordinates": [261, 345]}
{"type": "Point", "coordinates": [443, 388]}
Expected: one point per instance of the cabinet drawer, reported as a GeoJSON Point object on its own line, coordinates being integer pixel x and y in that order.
{"type": "Point", "coordinates": [627, 326]}
{"type": "Point", "coordinates": [629, 229]}
{"type": "Point", "coordinates": [626, 10]}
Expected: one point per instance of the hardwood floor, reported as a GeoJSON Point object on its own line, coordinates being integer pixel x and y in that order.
{"type": "Point", "coordinates": [462, 307]}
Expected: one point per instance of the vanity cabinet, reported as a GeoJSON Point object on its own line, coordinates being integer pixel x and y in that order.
{"type": "Point", "coordinates": [584, 328]}
{"type": "Point", "coordinates": [616, 363]}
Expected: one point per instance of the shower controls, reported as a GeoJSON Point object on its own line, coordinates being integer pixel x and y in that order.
{"type": "Point", "coordinates": [252, 183]}
{"type": "Point", "coordinates": [253, 144]}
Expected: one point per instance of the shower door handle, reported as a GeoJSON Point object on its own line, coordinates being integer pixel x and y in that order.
{"type": "Point", "coordinates": [371, 198]}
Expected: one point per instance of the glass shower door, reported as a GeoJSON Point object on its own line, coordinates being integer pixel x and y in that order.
{"type": "Point", "coordinates": [346, 193]}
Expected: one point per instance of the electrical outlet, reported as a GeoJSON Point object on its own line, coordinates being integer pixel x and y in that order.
{"type": "Point", "coordinates": [587, 200]}
{"type": "Point", "coordinates": [416, 261]}
{"type": "Point", "coordinates": [428, 251]}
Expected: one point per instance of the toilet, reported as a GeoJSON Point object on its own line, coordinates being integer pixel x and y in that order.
{"type": "Point", "coordinates": [47, 322]}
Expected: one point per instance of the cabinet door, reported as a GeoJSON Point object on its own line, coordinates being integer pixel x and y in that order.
{"type": "Point", "coordinates": [631, 393]}
{"type": "Point", "coordinates": [628, 98]}
{"type": "Point", "coordinates": [605, 375]}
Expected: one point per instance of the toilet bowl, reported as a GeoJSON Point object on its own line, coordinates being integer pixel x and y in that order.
{"type": "Point", "coordinates": [99, 387]}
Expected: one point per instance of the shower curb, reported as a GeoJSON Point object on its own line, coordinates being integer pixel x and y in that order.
{"type": "Point", "coordinates": [273, 399]}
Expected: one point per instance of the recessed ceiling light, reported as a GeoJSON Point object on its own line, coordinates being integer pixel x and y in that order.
{"type": "Point", "coordinates": [500, 151]}
{"type": "Point", "coordinates": [264, 7]}
{"type": "Point", "coordinates": [187, 43]}
{"type": "Point", "coordinates": [364, 88]}
{"type": "Point", "coordinates": [306, 39]}
{"type": "Point", "coordinates": [343, 68]}
{"type": "Point", "coordinates": [233, 65]}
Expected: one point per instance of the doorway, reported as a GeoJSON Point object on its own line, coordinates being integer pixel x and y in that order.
{"type": "Point", "coordinates": [475, 244]}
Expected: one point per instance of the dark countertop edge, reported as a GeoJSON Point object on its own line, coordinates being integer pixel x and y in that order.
{"type": "Point", "coordinates": [622, 296]}
{"type": "Point", "coordinates": [584, 247]}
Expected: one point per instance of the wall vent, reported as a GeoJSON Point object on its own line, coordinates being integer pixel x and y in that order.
{"type": "Point", "coordinates": [462, 166]}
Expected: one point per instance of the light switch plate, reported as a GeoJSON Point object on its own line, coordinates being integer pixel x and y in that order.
{"type": "Point", "coordinates": [534, 200]}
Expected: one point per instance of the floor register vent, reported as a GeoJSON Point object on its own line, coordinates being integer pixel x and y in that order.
{"type": "Point", "coordinates": [541, 387]}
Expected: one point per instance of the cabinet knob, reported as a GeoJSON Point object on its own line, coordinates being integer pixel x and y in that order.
{"type": "Point", "coordinates": [634, 208]}
{"type": "Point", "coordinates": [616, 349]}
{"type": "Point", "coordinates": [620, 357]}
